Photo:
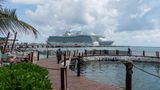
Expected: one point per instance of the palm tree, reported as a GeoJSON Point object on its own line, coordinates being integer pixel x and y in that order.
{"type": "Point", "coordinates": [10, 23]}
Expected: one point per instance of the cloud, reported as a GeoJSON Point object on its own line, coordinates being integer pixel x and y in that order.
{"type": "Point", "coordinates": [88, 15]}
{"type": "Point", "coordinates": [137, 16]}
{"type": "Point", "coordinates": [120, 15]}
{"type": "Point", "coordinates": [28, 1]}
{"type": "Point", "coordinates": [115, 19]}
{"type": "Point", "coordinates": [136, 38]}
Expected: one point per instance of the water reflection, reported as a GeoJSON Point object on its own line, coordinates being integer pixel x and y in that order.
{"type": "Point", "coordinates": [114, 73]}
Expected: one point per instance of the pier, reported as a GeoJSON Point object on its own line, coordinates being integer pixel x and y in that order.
{"type": "Point", "coordinates": [73, 82]}
{"type": "Point", "coordinates": [76, 57]}
{"type": "Point", "coordinates": [63, 78]}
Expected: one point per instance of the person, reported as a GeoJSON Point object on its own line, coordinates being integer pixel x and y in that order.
{"type": "Point", "coordinates": [129, 51]}
{"type": "Point", "coordinates": [59, 55]}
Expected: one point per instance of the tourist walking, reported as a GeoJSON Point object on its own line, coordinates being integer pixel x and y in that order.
{"type": "Point", "coordinates": [59, 55]}
{"type": "Point", "coordinates": [129, 51]}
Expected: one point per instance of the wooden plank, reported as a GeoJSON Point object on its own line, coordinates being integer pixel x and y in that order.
{"type": "Point", "coordinates": [13, 41]}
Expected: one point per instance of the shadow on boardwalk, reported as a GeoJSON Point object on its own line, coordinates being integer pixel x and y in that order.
{"type": "Point", "coordinates": [74, 82]}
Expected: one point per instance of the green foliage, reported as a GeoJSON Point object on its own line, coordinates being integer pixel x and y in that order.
{"type": "Point", "coordinates": [9, 22]}
{"type": "Point", "coordinates": [24, 76]}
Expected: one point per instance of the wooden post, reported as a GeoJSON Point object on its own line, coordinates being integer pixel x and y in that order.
{"type": "Point", "coordinates": [129, 72]}
{"type": "Point", "coordinates": [78, 66]}
{"type": "Point", "coordinates": [47, 53]}
{"type": "Point", "coordinates": [38, 55]}
{"type": "Point", "coordinates": [74, 54]}
{"type": "Point", "coordinates": [7, 46]}
{"type": "Point", "coordinates": [103, 52]}
{"type": "Point", "coordinates": [143, 53]}
{"type": "Point", "coordinates": [65, 58]}
{"type": "Point", "coordinates": [58, 58]}
{"type": "Point", "coordinates": [107, 51]}
{"type": "Point", "coordinates": [66, 53]}
{"type": "Point", "coordinates": [63, 78]}
{"type": "Point", "coordinates": [69, 53]}
{"type": "Point", "coordinates": [93, 52]}
{"type": "Point", "coordinates": [117, 52]}
{"type": "Point", "coordinates": [1, 60]}
{"type": "Point", "coordinates": [14, 42]}
{"type": "Point", "coordinates": [157, 54]}
{"type": "Point", "coordinates": [27, 46]}
{"type": "Point", "coordinates": [77, 51]}
{"type": "Point", "coordinates": [85, 52]}
{"type": "Point", "coordinates": [28, 57]}
{"type": "Point", "coordinates": [31, 57]}
{"type": "Point", "coordinates": [6, 42]}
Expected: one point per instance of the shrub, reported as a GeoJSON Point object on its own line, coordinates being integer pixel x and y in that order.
{"type": "Point", "coordinates": [24, 76]}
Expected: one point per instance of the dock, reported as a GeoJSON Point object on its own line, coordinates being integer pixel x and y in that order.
{"type": "Point", "coordinates": [73, 82]}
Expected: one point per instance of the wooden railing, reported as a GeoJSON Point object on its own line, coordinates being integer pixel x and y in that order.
{"type": "Point", "coordinates": [76, 55]}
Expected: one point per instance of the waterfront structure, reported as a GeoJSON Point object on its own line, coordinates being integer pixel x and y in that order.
{"type": "Point", "coordinates": [77, 40]}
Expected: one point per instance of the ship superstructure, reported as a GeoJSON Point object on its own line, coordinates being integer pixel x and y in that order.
{"type": "Point", "coordinates": [69, 39]}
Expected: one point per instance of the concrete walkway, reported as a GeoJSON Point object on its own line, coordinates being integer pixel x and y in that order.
{"type": "Point", "coordinates": [74, 82]}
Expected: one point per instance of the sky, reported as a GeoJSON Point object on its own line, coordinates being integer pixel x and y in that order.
{"type": "Point", "coordinates": [126, 22]}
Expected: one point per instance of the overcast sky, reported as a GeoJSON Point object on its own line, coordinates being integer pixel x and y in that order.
{"type": "Point", "coordinates": [127, 22]}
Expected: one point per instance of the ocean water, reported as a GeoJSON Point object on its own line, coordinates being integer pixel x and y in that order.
{"type": "Point", "coordinates": [114, 74]}
{"type": "Point", "coordinates": [124, 48]}
{"type": "Point", "coordinates": [136, 50]}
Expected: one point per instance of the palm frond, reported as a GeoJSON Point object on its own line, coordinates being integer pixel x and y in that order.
{"type": "Point", "coordinates": [10, 23]}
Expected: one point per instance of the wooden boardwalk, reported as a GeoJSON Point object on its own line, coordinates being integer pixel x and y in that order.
{"type": "Point", "coordinates": [74, 82]}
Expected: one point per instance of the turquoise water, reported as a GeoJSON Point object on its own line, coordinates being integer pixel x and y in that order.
{"type": "Point", "coordinates": [114, 74]}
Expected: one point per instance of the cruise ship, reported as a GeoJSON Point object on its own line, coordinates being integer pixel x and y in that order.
{"type": "Point", "coordinates": [77, 39]}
